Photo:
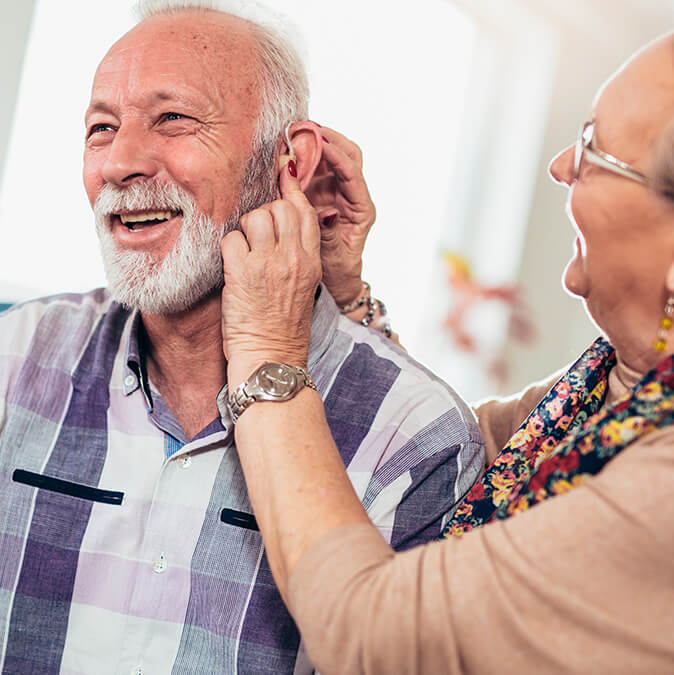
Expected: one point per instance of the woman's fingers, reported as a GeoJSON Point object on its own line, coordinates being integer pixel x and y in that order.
{"type": "Point", "coordinates": [343, 167]}
{"type": "Point", "coordinates": [306, 219]}
{"type": "Point", "coordinates": [272, 268]}
{"type": "Point", "coordinates": [235, 250]}
{"type": "Point", "coordinates": [345, 164]}
{"type": "Point", "coordinates": [285, 222]}
{"type": "Point", "coordinates": [340, 141]}
{"type": "Point", "coordinates": [259, 229]}
{"type": "Point", "coordinates": [328, 218]}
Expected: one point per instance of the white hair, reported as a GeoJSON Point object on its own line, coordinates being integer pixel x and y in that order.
{"type": "Point", "coordinates": [283, 80]}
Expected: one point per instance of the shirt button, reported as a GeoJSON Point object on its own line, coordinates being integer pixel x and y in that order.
{"type": "Point", "coordinates": [185, 462]}
{"type": "Point", "coordinates": [159, 565]}
{"type": "Point", "coordinates": [130, 381]}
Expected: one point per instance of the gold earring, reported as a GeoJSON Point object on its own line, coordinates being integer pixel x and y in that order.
{"type": "Point", "coordinates": [665, 324]}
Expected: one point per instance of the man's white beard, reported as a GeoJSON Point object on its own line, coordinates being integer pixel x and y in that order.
{"type": "Point", "coordinates": [193, 268]}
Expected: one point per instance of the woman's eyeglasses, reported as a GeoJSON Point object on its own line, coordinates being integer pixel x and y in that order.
{"type": "Point", "coordinates": [584, 150]}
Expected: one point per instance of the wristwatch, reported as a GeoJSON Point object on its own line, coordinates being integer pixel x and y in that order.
{"type": "Point", "coordinates": [270, 382]}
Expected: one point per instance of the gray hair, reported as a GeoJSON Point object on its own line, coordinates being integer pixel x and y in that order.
{"type": "Point", "coordinates": [283, 79]}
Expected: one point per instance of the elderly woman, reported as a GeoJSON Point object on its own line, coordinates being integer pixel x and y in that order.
{"type": "Point", "coordinates": [561, 559]}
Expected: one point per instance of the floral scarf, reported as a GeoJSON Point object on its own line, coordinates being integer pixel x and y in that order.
{"type": "Point", "coordinates": [565, 439]}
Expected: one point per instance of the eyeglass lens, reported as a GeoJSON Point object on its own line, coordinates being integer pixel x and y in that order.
{"type": "Point", "coordinates": [584, 141]}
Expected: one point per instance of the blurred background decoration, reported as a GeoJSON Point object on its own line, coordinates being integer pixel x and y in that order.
{"type": "Point", "coordinates": [470, 299]}
{"type": "Point", "coordinates": [458, 105]}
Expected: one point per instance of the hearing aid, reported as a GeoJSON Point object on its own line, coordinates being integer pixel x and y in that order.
{"type": "Point", "coordinates": [285, 159]}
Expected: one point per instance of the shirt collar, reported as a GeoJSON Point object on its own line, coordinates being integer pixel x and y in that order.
{"type": "Point", "coordinates": [323, 327]}
{"type": "Point", "coordinates": [133, 376]}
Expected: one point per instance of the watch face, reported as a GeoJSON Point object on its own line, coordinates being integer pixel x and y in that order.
{"type": "Point", "coordinates": [277, 380]}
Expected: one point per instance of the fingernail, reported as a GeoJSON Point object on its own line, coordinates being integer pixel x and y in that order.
{"type": "Point", "coordinates": [292, 169]}
{"type": "Point", "coordinates": [330, 220]}
{"type": "Point", "coordinates": [325, 139]}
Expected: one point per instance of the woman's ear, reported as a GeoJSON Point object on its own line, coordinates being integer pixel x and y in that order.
{"type": "Point", "coordinates": [669, 279]}
{"type": "Point", "coordinates": [307, 146]}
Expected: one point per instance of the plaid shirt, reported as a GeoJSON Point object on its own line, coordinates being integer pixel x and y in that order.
{"type": "Point", "coordinates": [127, 549]}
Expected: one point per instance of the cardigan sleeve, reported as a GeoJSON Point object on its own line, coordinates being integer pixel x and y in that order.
{"type": "Point", "coordinates": [581, 583]}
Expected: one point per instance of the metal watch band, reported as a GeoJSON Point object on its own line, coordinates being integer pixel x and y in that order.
{"type": "Point", "coordinates": [240, 399]}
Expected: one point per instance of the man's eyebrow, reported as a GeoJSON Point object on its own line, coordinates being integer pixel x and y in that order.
{"type": "Point", "coordinates": [189, 98]}
{"type": "Point", "coordinates": [98, 106]}
{"type": "Point", "coordinates": [165, 96]}
{"type": "Point", "coordinates": [159, 96]}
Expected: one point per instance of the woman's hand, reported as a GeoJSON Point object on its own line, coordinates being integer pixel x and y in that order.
{"type": "Point", "coordinates": [346, 213]}
{"type": "Point", "coordinates": [289, 459]}
{"type": "Point", "coordinates": [272, 268]}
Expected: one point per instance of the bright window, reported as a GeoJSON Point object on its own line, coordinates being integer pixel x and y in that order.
{"type": "Point", "coordinates": [392, 80]}
{"type": "Point", "coordinates": [410, 82]}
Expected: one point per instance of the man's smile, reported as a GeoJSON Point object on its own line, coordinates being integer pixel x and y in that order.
{"type": "Point", "coordinates": [143, 228]}
{"type": "Point", "coordinates": [138, 221]}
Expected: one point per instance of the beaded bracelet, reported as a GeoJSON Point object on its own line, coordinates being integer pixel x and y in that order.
{"type": "Point", "coordinates": [371, 311]}
{"type": "Point", "coordinates": [373, 306]}
{"type": "Point", "coordinates": [359, 302]}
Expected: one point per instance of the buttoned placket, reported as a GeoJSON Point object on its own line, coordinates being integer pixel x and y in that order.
{"type": "Point", "coordinates": [181, 493]}
{"type": "Point", "coordinates": [164, 537]}
{"type": "Point", "coordinates": [194, 464]}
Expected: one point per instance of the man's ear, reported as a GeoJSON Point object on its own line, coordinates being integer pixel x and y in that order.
{"type": "Point", "coordinates": [307, 145]}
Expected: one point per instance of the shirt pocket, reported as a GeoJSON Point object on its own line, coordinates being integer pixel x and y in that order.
{"type": "Point", "coordinates": [65, 487]}
{"type": "Point", "coordinates": [240, 519]}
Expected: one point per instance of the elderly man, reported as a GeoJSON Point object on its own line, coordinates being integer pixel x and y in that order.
{"type": "Point", "coordinates": [128, 541]}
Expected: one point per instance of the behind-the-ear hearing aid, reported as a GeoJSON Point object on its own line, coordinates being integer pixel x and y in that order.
{"type": "Point", "coordinates": [290, 155]}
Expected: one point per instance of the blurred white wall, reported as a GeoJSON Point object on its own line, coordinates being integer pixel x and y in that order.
{"type": "Point", "coordinates": [527, 74]}
{"type": "Point", "coordinates": [15, 20]}
{"type": "Point", "coordinates": [595, 37]}
{"type": "Point", "coordinates": [575, 45]}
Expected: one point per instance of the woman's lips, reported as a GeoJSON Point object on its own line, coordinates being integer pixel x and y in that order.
{"type": "Point", "coordinates": [575, 279]}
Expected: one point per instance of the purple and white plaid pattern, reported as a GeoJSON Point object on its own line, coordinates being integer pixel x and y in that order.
{"type": "Point", "coordinates": [162, 582]}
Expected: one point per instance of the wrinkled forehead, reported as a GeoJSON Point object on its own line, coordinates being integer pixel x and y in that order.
{"type": "Point", "coordinates": [205, 51]}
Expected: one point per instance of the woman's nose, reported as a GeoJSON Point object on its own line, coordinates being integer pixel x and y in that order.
{"type": "Point", "coordinates": [561, 166]}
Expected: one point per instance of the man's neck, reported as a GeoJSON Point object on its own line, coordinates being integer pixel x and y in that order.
{"type": "Point", "coordinates": [185, 361]}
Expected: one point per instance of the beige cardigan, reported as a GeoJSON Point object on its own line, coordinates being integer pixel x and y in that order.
{"type": "Point", "coordinates": [582, 583]}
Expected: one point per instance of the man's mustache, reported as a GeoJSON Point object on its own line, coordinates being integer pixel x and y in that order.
{"type": "Point", "coordinates": [143, 196]}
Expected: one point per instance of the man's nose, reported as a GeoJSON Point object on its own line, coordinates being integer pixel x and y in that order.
{"type": "Point", "coordinates": [129, 158]}
{"type": "Point", "coordinates": [561, 166]}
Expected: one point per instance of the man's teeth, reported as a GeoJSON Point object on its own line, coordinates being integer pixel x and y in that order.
{"type": "Point", "coordinates": [144, 217]}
